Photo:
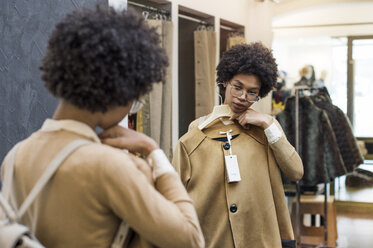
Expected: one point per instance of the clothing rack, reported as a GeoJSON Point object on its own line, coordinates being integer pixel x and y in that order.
{"type": "Point", "coordinates": [298, 191]}
{"type": "Point", "coordinates": [207, 25]}
{"type": "Point", "coordinates": [235, 33]}
{"type": "Point", "coordinates": [158, 12]}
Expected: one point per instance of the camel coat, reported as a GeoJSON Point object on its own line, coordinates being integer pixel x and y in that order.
{"type": "Point", "coordinates": [96, 188]}
{"type": "Point", "coordinates": [249, 213]}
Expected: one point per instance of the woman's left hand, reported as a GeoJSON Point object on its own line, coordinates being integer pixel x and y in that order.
{"type": "Point", "coordinates": [250, 116]}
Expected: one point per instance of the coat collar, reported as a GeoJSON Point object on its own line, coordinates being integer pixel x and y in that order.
{"type": "Point", "coordinates": [194, 137]}
{"type": "Point", "coordinates": [77, 127]}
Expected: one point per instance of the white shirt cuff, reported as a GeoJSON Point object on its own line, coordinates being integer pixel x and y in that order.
{"type": "Point", "coordinates": [273, 133]}
{"type": "Point", "coordinates": [160, 163]}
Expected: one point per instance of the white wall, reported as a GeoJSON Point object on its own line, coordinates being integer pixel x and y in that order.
{"type": "Point", "coordinates": [342, 19]}
{"type": "Point", "coordinates": [118, 4]}
{"type": "Point", "coordinates": [293, 54]}
{"type": "Point", "coordinates": [259, 28]}
{"type": "Point", "coordinates": [326, 13]}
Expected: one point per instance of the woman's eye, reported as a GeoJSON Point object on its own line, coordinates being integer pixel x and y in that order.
{"type": "Point", "coordinates": [251, 93]}
{"type": "Point", "coordinates": [237, 87]}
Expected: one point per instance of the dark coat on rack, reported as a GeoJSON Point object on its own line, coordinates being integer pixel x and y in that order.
{"type": "Point", "coordinates": [343, 131]}
{"type": "Point", "coordinates": [317, 142]}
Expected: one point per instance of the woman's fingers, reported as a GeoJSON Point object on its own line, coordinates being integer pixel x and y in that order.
{"type": "Point", "coordinates": [235, 116]}
{"type": "Point", "coordinates": [125, 138]}
{"type": "Point", "coordinates": [109, 133]}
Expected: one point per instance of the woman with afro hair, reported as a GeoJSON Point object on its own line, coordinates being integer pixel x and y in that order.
{"type": "Point", "coordinates": [98, 64]}
{"type": "Point", "coordinates": [231, 167]}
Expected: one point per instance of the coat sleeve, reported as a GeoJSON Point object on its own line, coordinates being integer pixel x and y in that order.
{"type": "Point", "coordinates": [287, 158]}
{"type": "Point", "coordinates": [181, 163]}
{"type": "Point", "coordinates": [162, 214]}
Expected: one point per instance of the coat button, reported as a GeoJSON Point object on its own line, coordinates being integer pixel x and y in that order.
{"type": "Point", "coordinates": [226, 146]}
{"type": "Point", "coordinates": [233, 208]}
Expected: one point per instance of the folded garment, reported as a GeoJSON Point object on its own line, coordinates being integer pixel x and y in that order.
{"type": "Point", "coordinates": [359, 180]}
{"type": "Point", "coordinates": [364, 172]}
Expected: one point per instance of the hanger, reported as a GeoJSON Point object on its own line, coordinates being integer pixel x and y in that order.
{"type": "Point", "coordinates": [218, 112]}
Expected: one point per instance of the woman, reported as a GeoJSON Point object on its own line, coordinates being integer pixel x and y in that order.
{"type": "Point", "coordinates": [98, 63]}
{"type": "Point", "coordinates": [249, 211]}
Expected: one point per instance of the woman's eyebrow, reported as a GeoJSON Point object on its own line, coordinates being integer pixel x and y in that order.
{"type": "Point", "coordinates": [238, 81]}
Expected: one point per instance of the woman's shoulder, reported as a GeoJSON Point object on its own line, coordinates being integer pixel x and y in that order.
{"type": "Point", "coordinates": [109, 160]}
{"type": "Point", "coordinates": [196, 122]}
{"type": "Point", "coordinates": [103, 155]}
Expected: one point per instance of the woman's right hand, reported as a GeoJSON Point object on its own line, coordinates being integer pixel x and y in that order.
{"type": "Point", "coordinates": [125, 138]}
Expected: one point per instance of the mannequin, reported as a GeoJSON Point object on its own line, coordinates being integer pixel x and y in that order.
{"type": "Point", "coordinates": [307, 74]}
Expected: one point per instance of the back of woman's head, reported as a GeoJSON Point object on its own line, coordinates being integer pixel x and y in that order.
{"type": "Point", "coordinates": [98, 59]}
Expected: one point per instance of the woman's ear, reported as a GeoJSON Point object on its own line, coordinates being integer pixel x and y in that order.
{"type": "Point", "coordinates": [225, 85]}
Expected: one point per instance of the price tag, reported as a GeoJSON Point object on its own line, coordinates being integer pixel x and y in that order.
{"type": "Point", "coordinates": [233, 171]}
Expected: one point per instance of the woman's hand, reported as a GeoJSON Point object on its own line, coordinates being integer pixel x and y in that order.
{"type": "Point", "coordinates": [252, 117]}
{"type": "Point", "coordinates": [125, 138]}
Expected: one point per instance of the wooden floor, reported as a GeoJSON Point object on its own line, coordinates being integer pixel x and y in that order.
{"type": "Point", "coordinates": [355, 230]}
{"type": "Point", "coordinates": [353, 194]}
{"type": "Point", "coordinates": [354, 209]}
{"type": "Point", "coordinates": [354, 215]}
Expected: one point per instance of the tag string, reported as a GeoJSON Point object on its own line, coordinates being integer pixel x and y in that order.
{"type": "Point", "coordinates": [229, 137]}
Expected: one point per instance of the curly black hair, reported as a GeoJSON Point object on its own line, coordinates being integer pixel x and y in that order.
{"type": "Point", "coordinates": [250, 59]}
{"type": "Point", "coordinates": [100, 58]}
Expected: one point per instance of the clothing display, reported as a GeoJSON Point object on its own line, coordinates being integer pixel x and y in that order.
{"type": "Point", "coordinates": [235, 40]}
{"type": "Point", "coordinates": [342, 128]}
{"type": "Point", "coordinates": [205, 62]}
{"type": "Point", "coordinates": [278, 100]}
{"type": "Point", "coordinates": [249, 213]}
{"type": "Point", "coordinates": [326, 143]}
{"type": "Point", "coordinates": [155, 119]}
{"type": "Point", "coordinates": [359, 179]}
{"type": "Point", "coordinates": [96, 188]}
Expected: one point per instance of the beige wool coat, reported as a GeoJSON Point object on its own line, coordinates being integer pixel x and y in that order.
{"type": "Point", "coordinates": [96, 188]}
{"type": "Point", "coordinates": [249, 213]}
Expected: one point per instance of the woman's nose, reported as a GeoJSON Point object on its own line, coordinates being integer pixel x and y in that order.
{"type": "Point", "coordinates": [242, 97]}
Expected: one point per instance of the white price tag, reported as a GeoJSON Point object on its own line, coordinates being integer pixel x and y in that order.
{"type": "Point", "coordinates": [233, 171]}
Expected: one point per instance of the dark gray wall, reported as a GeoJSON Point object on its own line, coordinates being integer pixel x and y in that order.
{"type": "Point", "coordinates": [187, 98]}
{"type": "Point", "coordinates": [24, 29]}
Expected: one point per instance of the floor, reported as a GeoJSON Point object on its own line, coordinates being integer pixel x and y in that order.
{"type": "Point", "coordinates": [360, 194]}
{"type": "Point", "coordinates": [355, 230]}
{"type": "Point", "coordinates": [354, 214]}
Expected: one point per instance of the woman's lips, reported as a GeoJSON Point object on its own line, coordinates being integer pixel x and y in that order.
{"type": "Point", "coordinates": [239, 106]}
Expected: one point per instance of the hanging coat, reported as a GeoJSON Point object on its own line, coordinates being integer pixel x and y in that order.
{"type": "Point", "coordinates": [346, 140]}
{"type": "Point", "coordinates": [318, 147]}
{"type": "Point", "coordinates": [249, 213]}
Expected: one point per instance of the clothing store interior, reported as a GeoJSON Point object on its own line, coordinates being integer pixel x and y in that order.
{"type": "Point", "coordinates": [321, 100]}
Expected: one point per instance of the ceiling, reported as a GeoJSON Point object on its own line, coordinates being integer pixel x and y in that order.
{"type": "Point", "coordinates": [285, 6]}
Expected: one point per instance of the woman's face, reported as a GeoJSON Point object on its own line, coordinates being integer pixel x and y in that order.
{"type": "Point", "coordinates": [114, 115]}
{"type": "Point", "coordinates": [248, 84]}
